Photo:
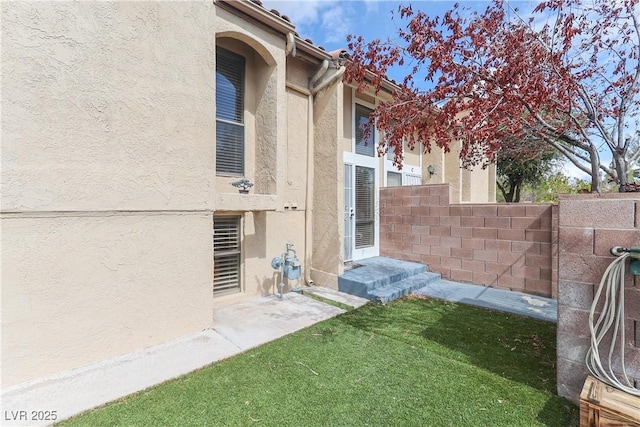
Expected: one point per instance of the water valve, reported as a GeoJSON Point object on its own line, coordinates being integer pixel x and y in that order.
{"type": "Point", "coordinates": [289, 265]}
{"type": "Point", "coordinates": [634, 252]}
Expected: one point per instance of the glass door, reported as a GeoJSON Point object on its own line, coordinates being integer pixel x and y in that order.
{"type": "Point", "coordinates": [361, 210]}
{"type": "Point", "coordinates": [365, 207]}
{"type": "Point", "coordinates": [349, 212]}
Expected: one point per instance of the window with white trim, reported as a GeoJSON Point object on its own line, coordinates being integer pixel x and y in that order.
{"type": "Point", "coordinates": [410, 174]}
{"type": "Point", "coordinates": [394, 179]}
{"type": "Point", "coordinates": [230, 88]}
{"type": "Point", "coordinates": [226, 254]}
{"type": "Point", "coordinates": [366, 147]}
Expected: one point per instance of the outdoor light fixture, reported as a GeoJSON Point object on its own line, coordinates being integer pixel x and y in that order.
{"type": "Point", "coordinates": [431, 169]}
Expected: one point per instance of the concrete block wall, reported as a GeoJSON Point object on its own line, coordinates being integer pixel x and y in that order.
{"type": "Point", "coordinates": [551, 250]}
{"type": "Point", "coordinates": [506, 246]}
{"type": "Point", "coordinates": [589, 225]}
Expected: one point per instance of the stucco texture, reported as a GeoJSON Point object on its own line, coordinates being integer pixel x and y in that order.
{"type": "Point", "coordinates": [76, 290]}
{"type": "Point", "coordinates": [108, 176]}
{"type": "Point", "coordinates": [106, 108]}
{"type": "Point", "coordinates": [328, 223]}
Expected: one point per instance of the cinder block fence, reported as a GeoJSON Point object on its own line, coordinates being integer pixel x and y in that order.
{"type": "Point", "coordinates": [589, 226]}
{"type": "Point", "coordinates": [501, 245]}
{"type": "Point", "coordinates": [543, 249]}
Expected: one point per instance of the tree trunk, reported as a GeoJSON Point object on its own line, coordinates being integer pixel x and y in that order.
{"type": "Point", "coordinates": [508, 195]}
{"type": "Point", "coordinates": [513, 195]}
{"type": "Point", "coordinates": [518, 188]}
{"type": "Point", "coordinates": [514, 189]}
{"type": "Point", "coordinates": [620, 166]}
{"type": "Point", "coordinates": [595, 170]}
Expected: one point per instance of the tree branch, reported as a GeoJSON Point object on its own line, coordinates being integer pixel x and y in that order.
{"type": "Point", "coordinates": [569, 154]}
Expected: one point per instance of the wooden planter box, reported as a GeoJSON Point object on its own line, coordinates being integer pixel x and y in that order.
{"type": "Point", "coordinates": [604, 406]}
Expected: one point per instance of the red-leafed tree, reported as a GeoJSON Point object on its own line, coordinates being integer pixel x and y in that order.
{"type": "Point", "coordinates": [572, 82]}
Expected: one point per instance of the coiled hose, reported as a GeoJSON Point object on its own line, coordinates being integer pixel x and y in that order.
{"type": "Point", "coordinates": [610, 324]}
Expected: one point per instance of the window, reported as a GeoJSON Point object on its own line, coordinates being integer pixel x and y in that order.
{"type": "Point", "coordinates": [394, 179]}
{"type": "Point", "coordinates": [229, 113]}
{"type": "Point", "coordinates": [391, 153]}
{"type": "Point", "coordinates": [365, 207]}
{"type": "Point", "coordinates": [226, 254]}
{"type": "Point", "coordinates": [391, 150]}
{"type": "Point", "coordinates": [364, 147]}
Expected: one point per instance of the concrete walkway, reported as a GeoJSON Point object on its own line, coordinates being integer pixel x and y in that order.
{"type": "Point", "coordinates": [496, 299]}
{"type": "Point", "coordinates": [237, 328]}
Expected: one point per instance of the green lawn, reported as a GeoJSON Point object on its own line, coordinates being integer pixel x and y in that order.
{"type": "Point", "coordinates": [413, 362]}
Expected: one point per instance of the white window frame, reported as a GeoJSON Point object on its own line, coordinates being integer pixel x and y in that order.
{"type": "Point", "coordinates": [376, 137]}
{"type": "Point", "coordinates": [408, 172]}
{"type": "Point", "coordinates": [219, 279]}
{"type": "Point", "coordinates": [242, 125]}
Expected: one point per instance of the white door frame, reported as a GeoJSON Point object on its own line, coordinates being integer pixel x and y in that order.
{"type": "Point", "coordinates": [373, 163]}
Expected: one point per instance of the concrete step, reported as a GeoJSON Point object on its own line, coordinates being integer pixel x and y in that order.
{"type": "Point", "coordinates": [404, 287]}
{"type": "Point", "coordinates": [337, 296]}
{"type": "Point", "coordinates": [377, 272]}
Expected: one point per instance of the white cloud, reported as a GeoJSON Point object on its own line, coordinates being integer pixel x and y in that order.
{"type": "Point", "coordinates": [300, 12]}
{"type": "Point", "coordinates": [336, 24]}
{"type": "Point", "coordinates": [572, 171]}
{"type": "Point", "coordinates": [372, 5]}
{"type": "Point", "coordinates": [324, 21]}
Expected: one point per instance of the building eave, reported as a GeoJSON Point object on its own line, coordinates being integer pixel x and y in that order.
{"type": "Point", "coordinates": [260, 14]}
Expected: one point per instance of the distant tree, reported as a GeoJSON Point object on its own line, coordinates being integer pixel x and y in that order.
{"type": "Point", "coordinates": [548, 189]}
{"type": "Point", "coordinates": [573, 82]}
{"type": "Point", "coordinates": [515, 170]}
{"type": "Point", "coordinates": [632, 160]}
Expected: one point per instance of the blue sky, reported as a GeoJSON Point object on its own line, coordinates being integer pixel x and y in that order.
{"type": "Point", "coordinates": [328, 22]}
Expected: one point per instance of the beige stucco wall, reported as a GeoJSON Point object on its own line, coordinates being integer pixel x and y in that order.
{"type": "Point", "coordinates": [80, 288]}
{"type": "Point", "coordinates": [265, 100]}
{"type": "Point", "coordinates": [108, 176]}
{"type": "Point", "coordinates": [295, 155]}
{"type": "Point", "coordinates": [346, 136]}
{"type": "Point", "coordinates": [105, 108]}
{"type": "Point", "coordinates": [482, 185]}
{"type": "Point", "coordinates": [107, 129]}
{"type": "Point", "coordinates": [435, 158]}
{"type": "Point", "coordinates": [299, 71]}
{"type": "Point", "coordinates": [412, 157]}
{"type": "Point", "coordinates": [328, 223]}
{"type": "Point", "coordinates": [453, 172]}
{"type": "Point", "coordinates": [478, 185]}
{"type": "Point", "coordinates": [266, 235]}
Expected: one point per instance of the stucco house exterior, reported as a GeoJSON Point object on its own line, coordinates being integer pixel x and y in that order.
{"type": "Point", "coordinates": [124, 125]}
